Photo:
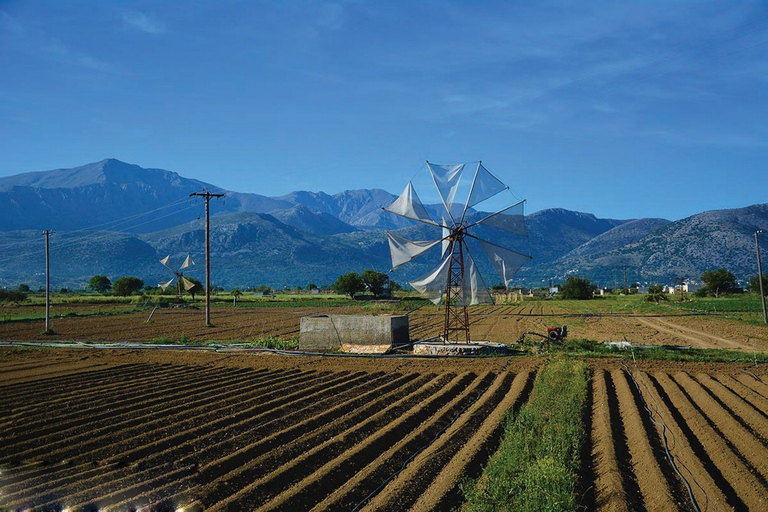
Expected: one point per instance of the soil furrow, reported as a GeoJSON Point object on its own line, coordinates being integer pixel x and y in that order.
{"type": "Point", "coordinates": [727, 474]}
{"type": "Point", "coordinates": [154, 411]}
{"type": "Point", "coordinates": [295, 424]}
{"type": "Point", "coordinates": [609, 488]}
{"type": "Point", "coordinates": [106, 452]}
{"type": "Point", "coordinates": [758, 387]}
{"type": "Point", "coordinates": [750, 398]}
{"type": "Point", "coordinates": [444, 492]}
{"type": "Point", "coordinates": [112, 389]}
{"type": "Point", "coordinates": [76, 407]}
{"type": "Point", "coordinates": [751, 452]}
{"type": "Point", "coordinates": [135, 467]}
{"type": "Point", "coordinates": [753, 419]}
{"type": "Point", "coordinates": [337, 472]}
{"type": "Point", "coordinates": [412, 483]}
{"type": "Point", "coordinates": [272, 476]}
{"type": "Point", "coordinates": [658, 486]}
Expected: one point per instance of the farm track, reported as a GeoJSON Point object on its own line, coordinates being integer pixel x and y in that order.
{"type": "Point", "coordinates": [233, 432]}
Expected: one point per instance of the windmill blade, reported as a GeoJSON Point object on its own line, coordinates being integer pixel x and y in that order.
{"type": "Point", "coordinates": [432, 285]}
{"type": "Point", "coordinates": [475, 290]}
{"type": "Point", "coordinates": [446, 178]}
{"type": "Point", "coordinates": [165, 261]}
{"type": "Point", "coordinates": [187, 263]}
{"type": "Point", "coordinates": [484, 186]}
{"type": "Point", "coordinates": [165, 285]}
{"type": "Point", "coordinates": [409, 205]}
{"type": "Point", "coordinates": [403, 250]}
{"type": "Point", "coordinates": [506, 261]}
{"type": "Point", "coordinates": [511, 219]}
{"type": "Point", "coordinates": [188, 285]}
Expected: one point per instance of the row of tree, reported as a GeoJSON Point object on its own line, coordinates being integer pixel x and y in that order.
{"type": "Point", "coordinates": [377, 283]}
{"type": "Point", "coordinates": [716, 283]}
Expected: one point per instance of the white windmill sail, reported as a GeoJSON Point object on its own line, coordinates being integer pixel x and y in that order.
{"type": "Point", "coordinates": [432, 285]}
{"type": "Point", "coordinates": [187, 262]}
{"type": "Point", "coordinates": [474, 287]}
{"type": "Point", "coordinates": [403, 250]}
{"type": "Point", "coordinates": [506, 261]}
{"type": "Point", "coordinates": [166, 284]}
{"type": "Point", "coordinates": [165, 261]}
{"type": "Point", "coordinates": [409, 205]}
{"type": "Point", "coordinates": [511, 219]}
{"type": "Point", "coordinates": [446, 178]}
{"type": "Point", "coordinates": [484, 186]}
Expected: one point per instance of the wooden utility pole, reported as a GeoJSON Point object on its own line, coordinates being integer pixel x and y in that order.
{"type": "Point", "coordinates": [207, 196]}
{"type": "Point", "coordinates": [47, 235]}
{"type": "Point", "coordinates": [760, 275]}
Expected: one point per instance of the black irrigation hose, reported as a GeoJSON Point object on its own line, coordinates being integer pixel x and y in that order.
{"type": "Point", "coordinates": [430, 442]}
{"type": "Point", "coordinates": [670, 457]}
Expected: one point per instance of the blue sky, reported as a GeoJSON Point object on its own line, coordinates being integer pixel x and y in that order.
{"type": "Point", "coordinates": [621, 109]}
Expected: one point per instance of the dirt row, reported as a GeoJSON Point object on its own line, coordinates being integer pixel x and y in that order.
{"type": "Point", "coordinates": [121, 433]}
{"type": "Point", "coordinates": [662, 440]}
{"type": "Point", "coordinates": [118, 429]}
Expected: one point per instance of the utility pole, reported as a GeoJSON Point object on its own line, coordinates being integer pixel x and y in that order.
{"type": "Point", "coordinates": [760, 275]}
{"type": "Point", "coordinates": [626, 290]}
{"type": "Point", "coordinates": [207, 196]}
{"type": "Point", "coordinates": [47, 235]}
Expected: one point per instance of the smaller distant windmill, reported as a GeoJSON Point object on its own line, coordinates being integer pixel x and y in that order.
{"type": "Point", "coordinates": [182, 283]}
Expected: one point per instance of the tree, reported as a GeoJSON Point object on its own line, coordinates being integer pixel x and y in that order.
{"type": "Point", "coordinates": [718, 281]}
{"type": "Point", "coordinates": [12, 295]}
{"type": "Point", "coordinates": [577, 288]}
{"type": "Point", "coordinates": [235, 294]}
{"type": "Point", "coordinates": [99, 284]}
{"type": "Point", "coordinates": [349, 284]}
{"type": "Point", "coordinates": [125, 286]}
{"type": "Point", "coordinates": [375, 281]}
{"type": "Point", "coordinates": [656, 293]}
{"type": "Point", "coordinates": [754, 285]}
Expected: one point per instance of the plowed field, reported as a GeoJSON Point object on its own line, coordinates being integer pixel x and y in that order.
{"type": "Point", "coordinates": [498, 323]}
{"type": "Point", "coordinates": [117, 430]}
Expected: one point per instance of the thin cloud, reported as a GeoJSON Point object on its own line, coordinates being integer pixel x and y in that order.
{"type": "Point", "coordinates": [140, 21]}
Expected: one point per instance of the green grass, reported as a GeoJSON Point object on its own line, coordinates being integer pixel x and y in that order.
{"type": "Point", "coordinates": [536, 465]}
{"type": "Point", "coordinates": [582, 348]}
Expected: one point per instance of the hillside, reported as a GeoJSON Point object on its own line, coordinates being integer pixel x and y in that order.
{"type": "Point", "coordinates": [118, 219]}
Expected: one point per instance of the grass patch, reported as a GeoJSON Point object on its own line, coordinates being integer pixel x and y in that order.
{"type": "Point", "coordinates": [583, 348]}
{"type": "Point", "coordinates": [271, 342]}
{"type": "Point", "coordinates": [536, 465]}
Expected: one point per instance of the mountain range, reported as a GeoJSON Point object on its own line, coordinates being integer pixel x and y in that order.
{"type": "Point", "coordinates": [116, 219]}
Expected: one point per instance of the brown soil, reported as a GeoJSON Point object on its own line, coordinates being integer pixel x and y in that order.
{"type": "Point", "coordinates": [499, 323]}
{"type": "Point", "coordinates": [121, 429]}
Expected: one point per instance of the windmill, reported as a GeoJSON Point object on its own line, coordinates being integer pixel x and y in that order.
{"type": "Point", "coordinates": [182, 283]}
{"type": "Point", "coordinates": [456, 279]}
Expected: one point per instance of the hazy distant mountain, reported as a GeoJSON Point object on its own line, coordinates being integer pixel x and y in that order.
{"type": "Point", "coordinates": [306, 219]}
{"type": "Point", "coordinates": [555, 232]}
{"type": "Point", "coordinates": [142, 215]}
{"type": "Point", "coordinates": [96, 196]}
